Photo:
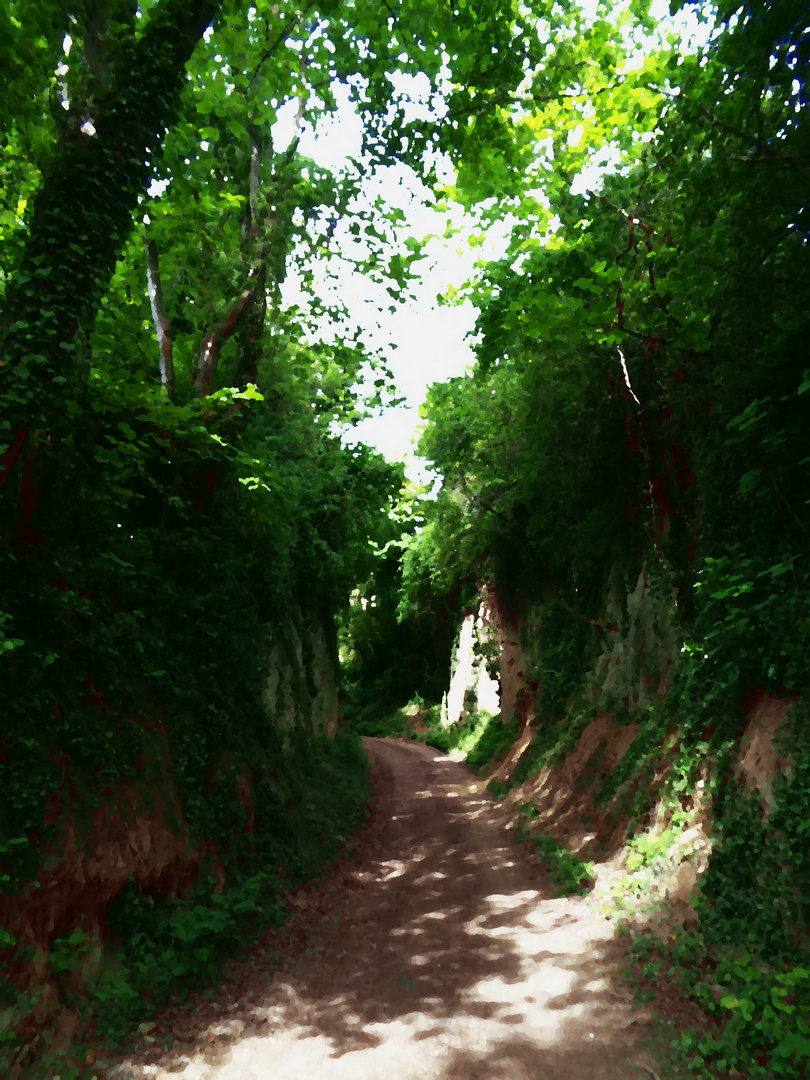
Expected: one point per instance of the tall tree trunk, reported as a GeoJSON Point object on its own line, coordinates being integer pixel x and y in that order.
{"type": "Point", "coordinates": [83, 213]}
{"type": "Point", "coordinates": [252, 332]}
{"type": "Point", "coordinates": [247, 314]}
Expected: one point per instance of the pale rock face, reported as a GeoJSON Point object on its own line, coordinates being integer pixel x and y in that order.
{"type": "Point", "coordinates": [470, 667]}
{"type": "Point", "coordinates": [486, 635]}
{"type": "Point", "coordinates": [502, 633]}
{"type": "Point", "coordinates": [463, 676]}
{"type": "Point", "coordinates": [640, 651]}
{"type": "Point", "coordinates": [635, 666]}
{"type": "Point", "coordinates": [305, 654]}
{"type": "Point", "coordinates": [488, 693]}
{"type": "Point", "coordinates": [488, 689]}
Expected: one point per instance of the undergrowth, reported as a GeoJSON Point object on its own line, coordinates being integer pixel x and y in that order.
{"type": "Point", "coordinates": [757, 1012]}
{"type": "Point", "coordinates": [745, 962]}
{"type": "Point", "coordinates": [160, 949]}
{"type": "Point", "coordinates": [572, 875]}
{"type": "Point", "coordinates": [480, 736]}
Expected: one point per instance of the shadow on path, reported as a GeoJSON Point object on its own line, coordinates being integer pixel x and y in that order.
{"type": "Point", "coordinates": [436, 950]}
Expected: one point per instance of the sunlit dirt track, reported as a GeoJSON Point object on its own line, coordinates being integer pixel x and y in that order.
{"type": "Point", "coordinates": [435, 952]}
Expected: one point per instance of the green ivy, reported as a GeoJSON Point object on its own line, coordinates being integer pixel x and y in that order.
{"type": "Point", "coordinates": [567, 871]}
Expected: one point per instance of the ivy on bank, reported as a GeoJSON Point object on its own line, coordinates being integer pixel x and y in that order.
{"type": "Point", "coordinates": [637, 414]}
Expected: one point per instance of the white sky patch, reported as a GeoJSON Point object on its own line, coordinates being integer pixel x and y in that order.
{"type": "Point", "coordinates": [575, 136]}
{"type": "Point", "coordinates": [590, 177]}
{"type": "Point", "coordinates": [157, 187]}
{"type": "Point", "coordinates": [423, 342]}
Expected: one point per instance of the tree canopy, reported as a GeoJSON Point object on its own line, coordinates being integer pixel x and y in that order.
{"type": "Point", "coordinates": [638, 392]}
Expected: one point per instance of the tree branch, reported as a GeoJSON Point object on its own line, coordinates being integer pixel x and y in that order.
{"type": "Point", "coordinates": [155, 289]}
{"type": "Point", "coordinates": [285, 30]}
{"type": "Point", "coordinates": [214, 340]}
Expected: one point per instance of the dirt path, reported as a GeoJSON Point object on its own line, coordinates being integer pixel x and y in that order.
{"type": "Point", "coordinates": [435, 952]}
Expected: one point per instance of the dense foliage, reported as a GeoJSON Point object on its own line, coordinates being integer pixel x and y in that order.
{"type": "Point", "coordinates": [180, 520]}
{"type": "Point", "coordinates": [638, 393]}
{"type": "Point", "coordinates": [639, 406]}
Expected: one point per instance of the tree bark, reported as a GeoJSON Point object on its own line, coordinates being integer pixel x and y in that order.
{"type": "Point", "coordinates": [247, 314]}
{"type": "Point", "coordinates": [83, 212]}
{"type": "Point", "coordinates": [214, 340]}
{"type": "Point", "coordinates": [166, 359]}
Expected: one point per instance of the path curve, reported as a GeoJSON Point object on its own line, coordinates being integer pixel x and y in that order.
{"type": "Point", "coordinates": [436, 951]}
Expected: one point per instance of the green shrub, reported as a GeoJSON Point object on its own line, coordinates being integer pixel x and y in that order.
{"type": "Point", "coordinates": [494, 741]}
{"type": "Point", "coordinates": [567, 871]}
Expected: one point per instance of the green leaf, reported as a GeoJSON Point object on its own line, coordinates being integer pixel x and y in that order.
{"type": "Point", "coordinates": [793, 1046]}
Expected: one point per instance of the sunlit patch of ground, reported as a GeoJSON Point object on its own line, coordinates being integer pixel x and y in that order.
{"type": "Point", "coordinates": [438, 951]}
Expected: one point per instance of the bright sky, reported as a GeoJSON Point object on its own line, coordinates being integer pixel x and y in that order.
{"type": "Point", "coordinates": [423, 342]}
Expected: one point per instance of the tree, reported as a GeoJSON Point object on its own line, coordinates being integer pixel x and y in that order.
{"type": "Point", "coordinates": [633, 335]}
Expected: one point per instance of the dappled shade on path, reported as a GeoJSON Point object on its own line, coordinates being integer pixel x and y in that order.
{"type": "Point", "coordinates": [437, 950]}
